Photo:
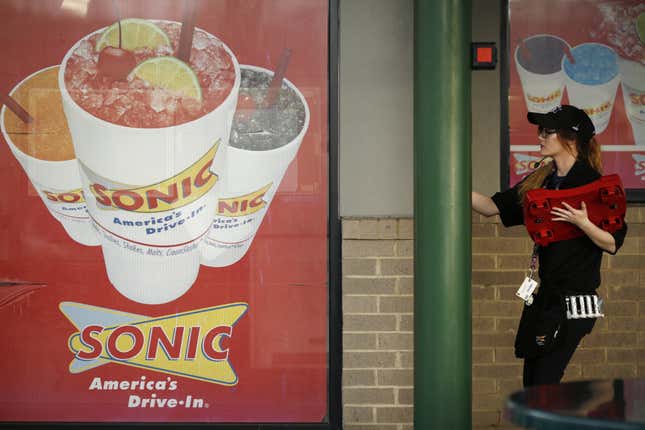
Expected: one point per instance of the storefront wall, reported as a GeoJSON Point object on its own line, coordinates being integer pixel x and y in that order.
{"type": "Point", "coordinates": [376, 205]}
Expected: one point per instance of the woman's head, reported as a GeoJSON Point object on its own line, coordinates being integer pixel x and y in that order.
{"type": "Point", "coordinates": [567, 129]}
{"type": "Point", "coordinates": [564, 130]}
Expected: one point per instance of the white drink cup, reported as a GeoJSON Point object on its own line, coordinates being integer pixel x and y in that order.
{"type": "Point", "coordinates": [251, 181]}
{"type": "Point", "coordinates": [542, 83]}
{"type": "Point", "coordinates": [58, 183]}
{"type": "Point", "coordinates": [151, 192]}
{"type": "Point", "coordinates": [633, 84]}
{"type": "Point", "coordinates": [596, 97]}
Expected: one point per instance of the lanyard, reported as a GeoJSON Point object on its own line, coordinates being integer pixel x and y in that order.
{"type": "Point", "coordinates": [533, 263]}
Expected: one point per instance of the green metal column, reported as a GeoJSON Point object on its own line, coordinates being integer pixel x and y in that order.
{"type": "Point", "coordinates": [442, 184]}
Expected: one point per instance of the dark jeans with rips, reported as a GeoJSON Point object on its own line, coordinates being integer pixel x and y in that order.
{"type": "Point", "coordinates": [549, 368]}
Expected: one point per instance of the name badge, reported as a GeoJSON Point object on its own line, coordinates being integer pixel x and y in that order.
{"type": "Point", "coordinates": [526, 289]}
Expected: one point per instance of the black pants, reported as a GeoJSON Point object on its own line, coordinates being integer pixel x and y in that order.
{"type": "Point", "coordinates": [549, 368]}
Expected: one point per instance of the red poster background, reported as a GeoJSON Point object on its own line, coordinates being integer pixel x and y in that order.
{"type": "Point", "coordinates": [575, 21]}
{"type": "Point", "coordinates": [279, 347]}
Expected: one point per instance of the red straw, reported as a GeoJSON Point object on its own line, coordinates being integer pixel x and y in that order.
{"type": "Point", "coordinates": [187, 29]}
{"type": "Point", "coordinates": [278, 77]}
{"type": "Point", "coordinates": [118, 18]}
{"type": "Point", "coordinates": [567, 52]}
{"type": "Point", "coordinates": [9, 102]}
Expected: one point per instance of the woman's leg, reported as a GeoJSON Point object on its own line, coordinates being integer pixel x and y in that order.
{"type": "Point", "coordinates": [549, 368]}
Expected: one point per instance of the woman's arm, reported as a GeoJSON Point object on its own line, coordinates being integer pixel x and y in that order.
{"type": "Point", "coordinates": [579, 218]}
{"type": "Point", "coordinates": [484, 205]}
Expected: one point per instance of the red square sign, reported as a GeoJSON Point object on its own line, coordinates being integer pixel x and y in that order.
{"type": "Point", "coordinates": [484, 54]}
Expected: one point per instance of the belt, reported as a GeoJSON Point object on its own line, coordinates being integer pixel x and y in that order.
{"type": "Point", "coordinates": [584, 306]}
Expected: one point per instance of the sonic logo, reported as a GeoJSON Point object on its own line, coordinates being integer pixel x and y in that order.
{"type": "Point", "coordinates": [243, 205]}
{"type": "Point", "coordinates": [73, 196]}
{"type": "Point", "coordinates": [599, 109]}
{"type": "Point", "coordinates": [126, 342]}
{"type": "Point", "coordinates": [180, 190]}
{"type": "Point", "coordinates": [524, 162]}
{"type": "Point", "coordinates": [545, 99]}
{"type": "Point", "coordinates": [639, 164]}
{"type": "Point", "coordinates": [192, 344]}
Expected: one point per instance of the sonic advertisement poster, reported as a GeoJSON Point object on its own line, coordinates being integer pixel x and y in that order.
{"type": "Point", "coordinates": [164, 209]}
{"type": "Point", "coordinates": [587, 53]}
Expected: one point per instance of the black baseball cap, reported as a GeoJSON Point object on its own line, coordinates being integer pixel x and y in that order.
{"type": "Point", "coordinates": [565, 117]}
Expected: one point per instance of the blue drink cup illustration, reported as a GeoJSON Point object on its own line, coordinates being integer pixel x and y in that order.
{"type": "Point", "coordinates": [592, 80]}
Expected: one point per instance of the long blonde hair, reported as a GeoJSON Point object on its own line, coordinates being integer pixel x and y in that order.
{"type": "Point", "coordinates": [588, 152]}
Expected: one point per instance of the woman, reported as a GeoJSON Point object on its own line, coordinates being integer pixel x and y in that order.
{"type": "Point", "coordinates": [569, 267]}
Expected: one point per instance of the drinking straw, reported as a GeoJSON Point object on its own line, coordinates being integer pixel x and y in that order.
{"type": "Point", "coordinates": [13, 105]}
{"type": "Point", "coordinates": [118, 19]}
{"type": "Point", "coordinates": [264, 114]}
{"type": "Point", "coordinates": [276, 83]}
{"type": "Point", "coordinates": [567, 52]}
{"type": "Point", "coordinates": [187, 29]}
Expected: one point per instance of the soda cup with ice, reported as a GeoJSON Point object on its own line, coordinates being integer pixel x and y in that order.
{"type": "Point", "coordinates": [152, 147]}
{"type": "Point", "coordinates": [623, 25]}
{"type": "Point", "coordinates": [264, 141]}
{"type": "Point", "coordinates": [633, 84]}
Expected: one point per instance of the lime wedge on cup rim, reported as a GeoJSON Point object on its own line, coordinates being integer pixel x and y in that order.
{"type": "Point", "coordinates": [169, 73]}
{"type": "Point", "coordinates": [640, 26]}
{"type": "Point", "coordinates": [135, 33]}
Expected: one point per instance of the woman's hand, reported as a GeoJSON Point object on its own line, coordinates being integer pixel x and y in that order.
{"type": "Point", "coordinates": [578, 217]}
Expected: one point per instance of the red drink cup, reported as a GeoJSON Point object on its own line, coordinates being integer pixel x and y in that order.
{"type": "Point", "coordinates": [147, 171]}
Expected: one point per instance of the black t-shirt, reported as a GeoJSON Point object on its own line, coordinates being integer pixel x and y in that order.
{"type": "Point", "coordinates": [569, 265]}
{"type": "Point", "coordinates": [554, 182]}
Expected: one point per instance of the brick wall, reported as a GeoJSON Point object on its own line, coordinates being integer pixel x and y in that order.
{"type": "Point", "coordinates": [378, 306]}
{"type": "Point", "coordinates": [377, 323]}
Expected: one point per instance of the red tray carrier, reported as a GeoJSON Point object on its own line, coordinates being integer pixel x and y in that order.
{"type": "Point", "coordinates": [606, 206]}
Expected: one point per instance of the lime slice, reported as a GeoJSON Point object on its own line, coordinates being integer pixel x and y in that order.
{"type": "Point", "coordinates": [135, 33]}
{"type": "Point", "coordinates": [169, 73]}
{"type": "Point", "coordinates": [640, 26]}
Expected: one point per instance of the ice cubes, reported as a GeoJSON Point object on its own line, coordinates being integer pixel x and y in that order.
{"type": "Point", "coordinates": [265, 128]}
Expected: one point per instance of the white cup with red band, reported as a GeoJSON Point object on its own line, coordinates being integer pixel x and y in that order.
{"type": "Point", "coordinates": [538, 62]}
{"type": "Point", "coordinates": [152, 191]}
{"type": "Point", "coordinates": [253, 174]}
{"type": "Point", "coordinates": [633, 84]}
{"type": "Point", "coordinates": [57, 182]}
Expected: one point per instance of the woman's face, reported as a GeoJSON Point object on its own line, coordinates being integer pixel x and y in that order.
{"type": "Point", "coordinates": [550, 144]}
